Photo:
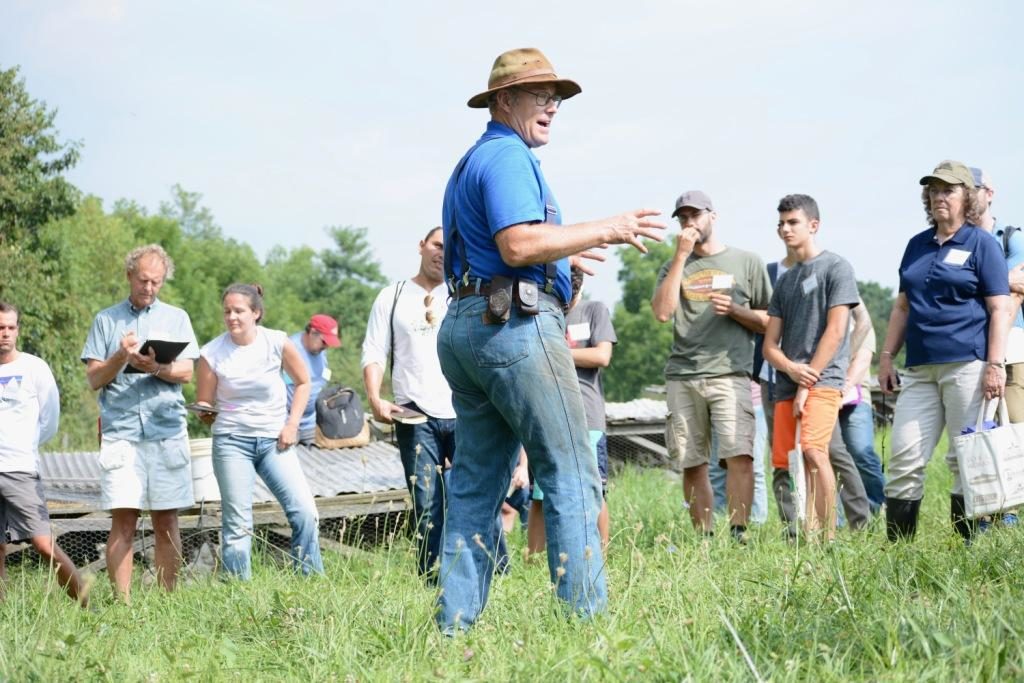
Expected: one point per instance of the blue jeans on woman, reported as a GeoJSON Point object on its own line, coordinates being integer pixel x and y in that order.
{"type": "Point", "coordinates": [237, 460]}
{"type": "Point", "coordinates": [515, 383]}
{"type": "Point", "coordinates": [858, 426]}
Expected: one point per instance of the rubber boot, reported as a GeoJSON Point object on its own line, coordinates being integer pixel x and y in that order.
{"type": "Point", "coordinates": [958, 515]}
{"type": "Point", "coordinates": [901, 518]}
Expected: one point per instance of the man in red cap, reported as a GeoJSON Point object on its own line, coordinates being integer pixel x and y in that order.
{"type": "Point", "coordinates": [321, 332]}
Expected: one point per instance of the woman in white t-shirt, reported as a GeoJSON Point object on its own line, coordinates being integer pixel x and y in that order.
{"type": "Point", "coordinates": [239, 373]}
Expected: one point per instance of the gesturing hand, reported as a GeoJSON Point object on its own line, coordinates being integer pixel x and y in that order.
{"type": "Point", "coordinates": [631, 226]}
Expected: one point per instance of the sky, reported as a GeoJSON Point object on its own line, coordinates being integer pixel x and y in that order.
{"type": "Point", "coordinates": [292, 116]}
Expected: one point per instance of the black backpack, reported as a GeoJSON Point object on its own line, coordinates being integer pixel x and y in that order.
{"type": "Point", "coordinates": [339, 412]}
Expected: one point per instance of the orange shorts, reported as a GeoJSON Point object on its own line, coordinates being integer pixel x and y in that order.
{"type": "Point", "coordinates": [816, 424]}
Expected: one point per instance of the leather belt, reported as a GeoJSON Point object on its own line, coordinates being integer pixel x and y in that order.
{"type": "Point", "coordinates": [484, 289]}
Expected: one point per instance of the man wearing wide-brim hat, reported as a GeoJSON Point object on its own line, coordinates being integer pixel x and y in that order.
{"type": "Point", "coordinates": [502, 344]}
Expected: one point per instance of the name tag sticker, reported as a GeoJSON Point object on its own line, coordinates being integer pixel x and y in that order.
{"type": "Point", "coordinates": [956, 257]}
{"type": "Point", "coordinates": [326, 374]}
{"type": "Point", "coordinates": [579, 332]}
{"type": "Point", "coordinates": [723, 281]}
{"type": "Point", "coordinates": [810, 283]}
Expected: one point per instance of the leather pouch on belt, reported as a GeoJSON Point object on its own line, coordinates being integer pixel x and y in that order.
{"type": "Point", "coordinates": [526, 292]}
{"type": "Point", "coordinates": [499, 301]}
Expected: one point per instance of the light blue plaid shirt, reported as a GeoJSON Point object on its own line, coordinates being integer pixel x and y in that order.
{"type": "Point", "coordinates": [139, 406]}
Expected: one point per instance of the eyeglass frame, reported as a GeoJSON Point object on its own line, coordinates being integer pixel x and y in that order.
{"type": "Point", "coordinates": [556, 98]}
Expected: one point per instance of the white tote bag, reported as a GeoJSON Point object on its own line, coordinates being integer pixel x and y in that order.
{"type": "Point", "coordinates": [991, 465]}
{"type": "Point", "coordinates": [796, 474]}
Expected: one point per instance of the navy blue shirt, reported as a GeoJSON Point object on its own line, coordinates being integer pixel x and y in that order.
{"type": "Point", "coordinates": [500, 185]}
{"type": "Point", "coordinates": [946, 286]}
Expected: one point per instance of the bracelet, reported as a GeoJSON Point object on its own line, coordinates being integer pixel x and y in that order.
{"type": "Point", "coordinates": [887, 353]}
{"type": "Point", "coordinates": [159, 369]}
{"type": "Point", "coordinates": [1001, 364]}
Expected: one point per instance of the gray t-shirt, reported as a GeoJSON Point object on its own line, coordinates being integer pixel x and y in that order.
{"type": "Point", "coordinates": [802, 299]}
{"type": "Point", "coordinates": [586, 326]}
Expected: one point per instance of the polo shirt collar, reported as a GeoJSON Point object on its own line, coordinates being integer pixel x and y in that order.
{"type": "Point", "coordinates": [959, 237]}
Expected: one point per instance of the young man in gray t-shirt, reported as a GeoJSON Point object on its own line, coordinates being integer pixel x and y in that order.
{"type": "Point", "coordinates": [809, 314]}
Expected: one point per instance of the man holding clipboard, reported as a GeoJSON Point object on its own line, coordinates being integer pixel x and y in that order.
{"type": "Point", "coordinates": [145, 460]}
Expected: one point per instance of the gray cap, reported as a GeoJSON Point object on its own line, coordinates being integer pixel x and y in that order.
{"type": "Point", "coordinates": [695, 199]}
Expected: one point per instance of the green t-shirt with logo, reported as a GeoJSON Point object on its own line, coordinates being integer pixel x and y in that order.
{"type": "Point", "coordinates": [709, 345]}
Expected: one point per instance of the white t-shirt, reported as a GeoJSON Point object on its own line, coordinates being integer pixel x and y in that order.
{"type": "Point", "coordinates": [251, 395]}
{"type": "Point", "coordinates": [417, 375]}
{"type": "Point", "coordinates": [29, 411]}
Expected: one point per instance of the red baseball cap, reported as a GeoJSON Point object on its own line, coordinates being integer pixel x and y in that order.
{"type": "Point", "coordinates": [327, 327]}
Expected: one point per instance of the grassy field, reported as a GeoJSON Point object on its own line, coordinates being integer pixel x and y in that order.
{"type": "Point", "coordinates": [860, 610]}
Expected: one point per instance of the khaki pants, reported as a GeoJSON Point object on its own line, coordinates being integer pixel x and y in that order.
{"type": "Point", "coordinates": [1015, 391]}
{"type": "Point", "coordinates": [934, 397]}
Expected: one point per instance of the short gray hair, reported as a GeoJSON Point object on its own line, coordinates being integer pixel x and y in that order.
{"type": "Point", "coordinates": [131, 261]}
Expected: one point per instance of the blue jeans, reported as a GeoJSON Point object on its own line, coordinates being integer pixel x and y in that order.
{"type": "Point", "coordinates": [237, 460]}
{"type": "Point", "coordinates": [424, 448]}
{"type": "Point", "coordinates": [759, 507]}
{"type": "Point", "coordinates": [516, 383]}
{"type": "Point", "coordinates": [857, 424]}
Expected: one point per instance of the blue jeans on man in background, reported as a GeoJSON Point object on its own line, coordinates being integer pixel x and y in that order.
{"type": "Point", "coordinates": [717, 473]}
{"type": "Point", "coordinates": [424, 448]}
{"type": "Point", "coordinates": [237, 460]}
{"type": "Point", "coordinates": [858, 426]}
{"type": "Point", "coordinates": [515, 383]}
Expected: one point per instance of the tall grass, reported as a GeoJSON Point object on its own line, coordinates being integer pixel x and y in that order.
{"type": "Point", "coordinates": [680, 609]}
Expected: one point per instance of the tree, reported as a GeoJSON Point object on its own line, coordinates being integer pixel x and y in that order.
{"type": "Point", "coordinates": [878, 300]}
{"type": "Point", "coordinates": [644, 343]}
{"type": "Point", "coordinates": [33, 190]}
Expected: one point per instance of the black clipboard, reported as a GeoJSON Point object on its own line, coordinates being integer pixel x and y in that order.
{"type": "Point", "coordinates": [166, 352]}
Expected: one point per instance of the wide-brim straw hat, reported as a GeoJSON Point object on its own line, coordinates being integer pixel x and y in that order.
{"type": "Point", "coordinates": [520, 67]}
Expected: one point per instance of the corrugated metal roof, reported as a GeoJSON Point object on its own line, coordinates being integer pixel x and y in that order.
{"type": "Point", "coordinates": [74, 477]}
{"type": "Point", "coordinates": [637, 410]}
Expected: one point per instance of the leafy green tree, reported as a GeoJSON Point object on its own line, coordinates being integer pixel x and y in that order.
{"type": "Point", "coordinates": [878, 300]}
{"type": "Point", "coordinates": [644, 343]}
{"type": "Point", "coordinates": [33, 190]}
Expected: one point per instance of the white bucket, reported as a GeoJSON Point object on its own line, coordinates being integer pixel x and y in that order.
{"type": "Point", "coordinates": [204, 483]}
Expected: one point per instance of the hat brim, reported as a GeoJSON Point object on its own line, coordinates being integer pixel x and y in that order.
{"type": "Point", "coordinates": [563, 86]}
{"type": "Point", "coordinates": [330, 339]}
{"type": "Point", "coordinates": [946, 177]}
{"type": "Point", "coordinates": [689, 206]}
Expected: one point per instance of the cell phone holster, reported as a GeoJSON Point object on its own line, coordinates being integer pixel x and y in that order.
{"type": "Point", "coordinates": [526, 292]}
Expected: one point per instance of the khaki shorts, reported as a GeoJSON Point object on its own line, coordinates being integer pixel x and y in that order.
{"type": "Point", "coordinates": [146, 475]}
{"type": "Point", "coordinates": [696, 406]}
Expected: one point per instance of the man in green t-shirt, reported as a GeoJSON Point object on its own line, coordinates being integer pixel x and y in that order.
{"type": "Point", "coordinates": [717, 298]}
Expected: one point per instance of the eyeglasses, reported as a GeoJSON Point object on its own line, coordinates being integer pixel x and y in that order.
{"type": "Point", "coordinates": [542, 98]}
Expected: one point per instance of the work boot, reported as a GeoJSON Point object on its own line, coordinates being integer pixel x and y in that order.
{"type": "Point", "coordinates": [901, 518]}
{"type": "Point", "coordinates": [958, 515]}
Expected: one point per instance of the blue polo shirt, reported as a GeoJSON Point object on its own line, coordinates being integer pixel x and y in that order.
{"type": "Point", "coordinates": [139, 406]}
{"type": "Point", "coordinates": [319, 375]}
{"type": "Point", "coordinates": [1014, 258]}
{"type": "Point", "coordinates": [946, 286]}
{"type": "Point", "coordinates": [500, 185]}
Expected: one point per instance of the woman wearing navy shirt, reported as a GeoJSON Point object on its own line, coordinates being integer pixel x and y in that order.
{"type": "Point", "coordinates": [953, 311]}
